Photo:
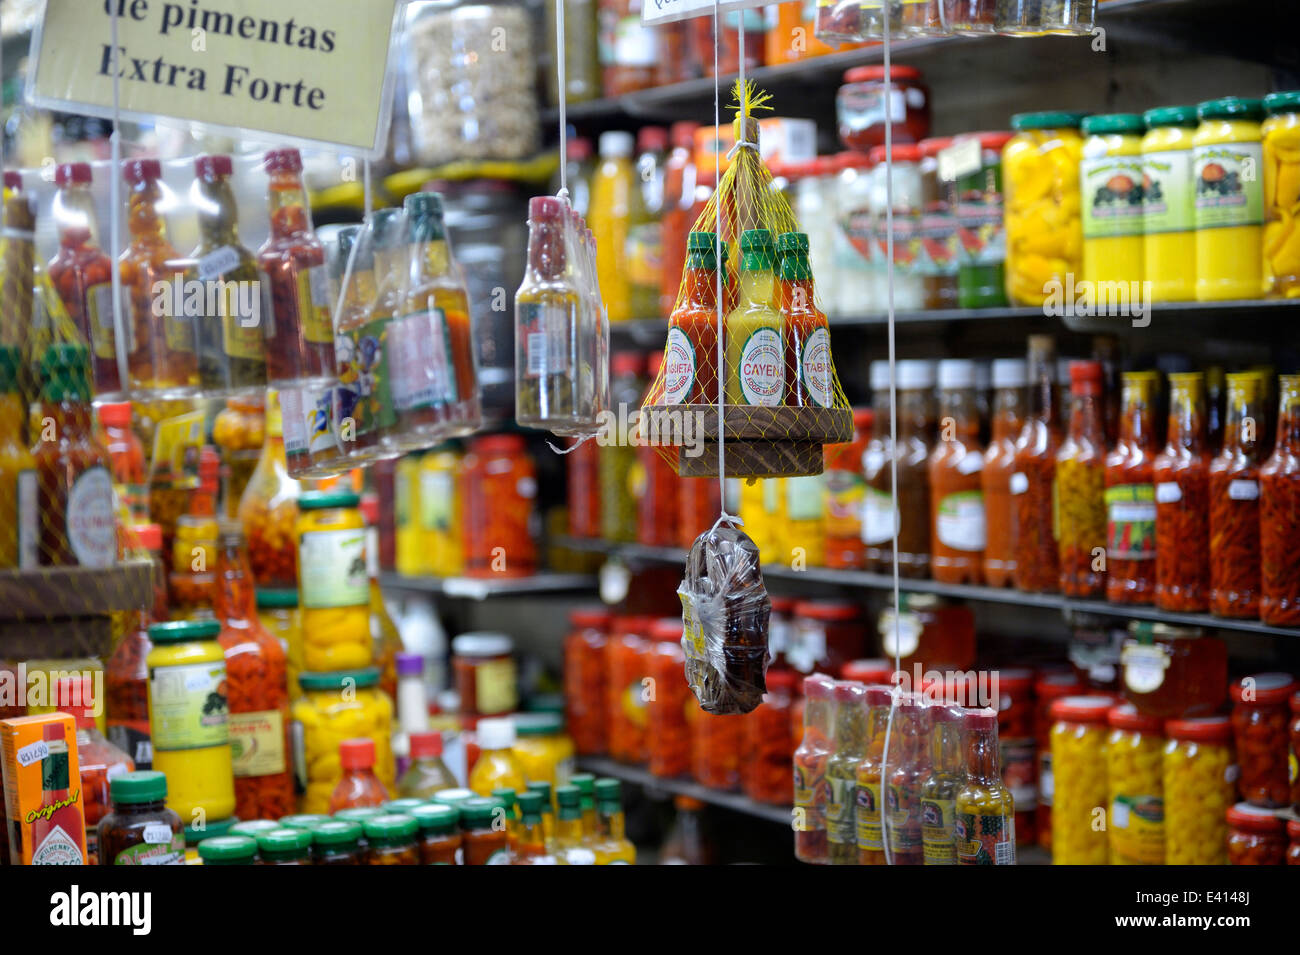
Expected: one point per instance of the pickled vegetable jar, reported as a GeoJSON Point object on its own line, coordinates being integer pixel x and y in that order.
{"type": "Point", "coordinates": [1169, 204]}
{"type": "Point", "coordinates": [189, 718]}
{"type": "Point", "coordinates": [1110, 179]}
{"type": "Point", "coordinates": [982, 244]}
{"type": "Point", "coordinates": [484, 668]}
{"type": "Point", "coordinates": [862, 111]}
{"type": "Point", "coordinates": [1040, 175]}
{"type": "Point", "coordinates": [483, 842]}
{"type": "Point", "coordinates": [1135, 778]}
{"type": "Point", "coordinates": [1279, 514]}
{"type": "Point", "coordinates": [498, 494]}
{"type": "Point", "coordinates": [1281, 133]}
{"type": "Point", "coordinates": [769, 743]}
{"type": "Point", "coordinates": [584, 678]}
{"type": "Point", "coordinates": [334, 588]}
{"type": "Point", "coordinates": [1255, 836]}
{"type": "Point", "coordinates": [1172, 672]}
{"type": "Point", "coordinates": [1199, 776]}
{"type": "Point", "coordinates": [346, 704]}
{"type": "Point", "coordinates": [716, 743]}
{"type": "Point", "coordinates": [1234, 502]}
{"type": "Point", "coordinates": [1048, 688]}
{"type": "Point", "coordinates": [1080, 487]}
{"type": "Point", "coordinates": [1226, 156]}
{"type": "Point", "coordinates": [668, 731]}
{"type": "Point", "coordinates": [1079, 779]}
{"type": "Point", "coordinates": [1260, 724]}
{"type": "Point", "coordinates": [277, 609]}
{"type": "Point", "coordinates": [1181, 474]}
{"type": "Point", "coordinates": [625, 692]}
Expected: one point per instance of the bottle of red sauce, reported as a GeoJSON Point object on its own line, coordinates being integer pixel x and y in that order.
{"type": "Point", "coordinates": [126, 457]}
{"type": "Point", "coordinates": [809, 371]}
{"type": "Point", "coordinates": [359, 786]}
{"type": "Point", "coordinates": [845, 489]}
{"type": "Point", "coordinates": [691, 355]}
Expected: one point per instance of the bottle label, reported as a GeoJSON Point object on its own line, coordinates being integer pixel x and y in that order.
{"type": "Point", "coordinates": [810, 796]}
{"type": "Point", "coordinates": [27, 519]}
{"type": "Point", "coordinates": [937, 836]}
{"type": "Point", "coordinates": [92, 518]}
{"type": "Point", "coordinates": [307, 414]}
{"type": "Point", "coordinates": [634, 44]}
{"type": "Point", "coordinates": [544, 331]}
{"type": "Point", "coordinates": [1144, 666]}
{"type": "Point", "coordinates": [167, 850]}
{"type": "Point", "coordinates": [870, 833]}
{"type": "Point", "coordinates": [1239, 490]}
{"type": "Point", "coordinates": [862, 108]}
{"type": "Point", "coordinates": [58, 848]}
{"type": "Point", "coordinates": [437, 500]}
{"type": "Point", "coordinates": [240, 314]}
{"type": "Point", "coordinates": [419, 354]}
{"type": "Point", "coordinates": [494, 686]}
{"type": "Point", "coordinates": [985, 839]}
{"type": "Point", "coordinates": [980, 238]}
{"type": "Point", "coordinates": [1137, 828]}
{"type": "Point", "coordinates": [1168, 202]}
{"type": "Point", "coordinates": [257, 743]}
{"type": "Point", "coordinates": [762, 368]}
{"type": "Point", "coordinates": [844, 492]}
{"type": "Point", "coordinates": [1111, 196]}
{"type": "Point", "coordinates": [1131, 519]}
{"type": "Point", "coordinates": [332, 569]}
{"type": "Point", "coordinates": [903, 833]}
{"type": "Point", "coordinates": [959, 522]}
{"type": "Point", "coordinates": [841, 797]}
{"type": "Point", "coordinates": [678, 367]}
{"type": "Point", "coordinates": [362, 356]}
{"type": "Point", "coordinates": [315, 305]}
{"type": "Point", "coordinates": [815, 368]}
{"type": "Point", "coordinates": [1168, 492]}
{"type": "Point", "coordinates": [187, 706]}
{"type": "Point", "coordinates": [1229, 185]}
{"type": "Point", "coordinates": [879, 517]}
{"type": "Point", "coordinates": [938, 242]}
{"type": "Point", "coordinates": [644, 257]}
{"type": "Point", "coordinates": [103, 333]}
{"type": "Point", "coordinates": [1019, 771]}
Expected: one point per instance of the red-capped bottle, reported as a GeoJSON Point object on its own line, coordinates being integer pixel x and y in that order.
{"type": "Point", "coordinates": [359, 785]}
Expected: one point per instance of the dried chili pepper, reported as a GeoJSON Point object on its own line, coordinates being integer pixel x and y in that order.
{"type": "Point", "coordinates": [1034, 474]}
{"type": "Point", "coordinates": [1131, 495]}
{"type": "Point", "coordinates": [1182, 482]}
{"type": "Point", "coordinates": [1080, 487]}
{"type": "Point", "coordinates": [1279, 512]}
{"type": "Point", "coordinates": [1234, 502]}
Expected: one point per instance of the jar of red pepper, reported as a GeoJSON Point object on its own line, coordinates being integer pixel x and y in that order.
{"type": "Point", "coordinates": [583, 489]}
{"type": "Point", "coordinates": [1255, 836]}
{"type": "Point", "coordinates": [716, 743]}
{"type": "Point", "coordinates": [1293, 834]}
{"type": "Point", "coordinates": [769, 743]}
{"type": "Point", "coordinates": [1048, 688]}
{"type": "Point", "coordinates": [933, 632]}
{"type": "Point", "coordinates": [655, 487]}
{"type": "Point", "coordinates": [1018, 746]}
{"type": "Point", "coordinates": [1293, 759]}
{"type": "Point", "coordinates": [484, 669]}
{"type": "Point", "coordinates": [827, 634]}
{"type": "Point", "coordinates": [861, 109]}
{"type": "Point", "coordinates": [668, 734]}
{"type": "Point", "coordinates": [625, 692]}
{"type": "Point", "coordinates": [584, 678]}
{"type": "Point", "coordinates": [499, 491]}
{"type": "Point", "coordinates": [1260, 727]}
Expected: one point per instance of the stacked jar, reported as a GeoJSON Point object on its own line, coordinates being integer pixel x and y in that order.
{"type": "Point", "coordinates": [668, 711]}
{"type": "Point", "coordinates": [1260, 721]}
{"type": "Point", "coordinates": [337, 706]}
{"type": "Point", "coordinates": [1135, 779]}
{"type": "Point", "coordinates": [1281, 134]}
{"type": "Point", "coordinates": [584, 678]}
{"type": "Point", "coordinates": [1079, 779]}
{"type": "Point", "coordinates": [982, 245]}
{"type": "Point", "coordinates": [1169, 204]}
{"type": "Point", "coordinates": [499, 493]}
{"type": "Point", "coordinates": [1229, 211]}
{"type": "Point", "coordinates": [1199, 774]}
{"type": "Point", "coordinates": [625, 691]}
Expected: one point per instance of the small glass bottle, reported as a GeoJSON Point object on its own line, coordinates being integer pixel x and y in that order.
{"type": "Point", "coordinates": [907, 764]}
{"type": "Point", "coordinates": [756, 371]}
{"type": "Point", "coordinates": [439, 833]}
{"type": "Point", "coordinates": [1009, 380]}
{"type": "Point", "coordinates": [571, 846]}
{"type": "Point", "coordinates": [808, 364]}
{"type": "Point", "coordinates": [1131, 495]}
{"type": "Point", "coordinates": [140, 830]}
{"type": "Point", "coordinates": [19, 533]}
{"type": "Point", "coordinates": [532, 848]}
{"type": "Point", "coordinates": [985, 829]}
{"type": "Point", "coordinates": [939, 790]}
{"type": "Point", "coordinates": [427, 774]}
{"type": "Point", "coordinates": [485, 839]}
{"type": "Point", "coordinates": [958, 529]}
{"type": "Point", "coordinates": [283, 846]}
{"type": "Point", "coordinates": [192, 582]}
{"type": "Point", "coordinates": [841, 772]}
{"type": "Point", "coordinates": [810, 758]}
{"type": "Point", "coordinates": [613, 847]}
{"type": "Point", "coordinates": [1080, 487]}
{"type": "Point", "coordinates": [497, 766]}
{"type": "Point", "coordinates": [1033, 482]}
{"type": "Point", "coordinates": [359, 787]}
{"type": "Point", "coordinates": [391, 840]}
{"type": "Point", "coordinates": [364, 392]}
{"type": "Point", "coordinates": [868, 814]}
{"type": "Point", "coordinates": [1182, 486]}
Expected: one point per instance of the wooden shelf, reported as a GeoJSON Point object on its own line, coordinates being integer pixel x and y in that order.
{"type": "Point", "coordinates": [474, 588]}
{"type": "Point", "coordinates": [63, 612]}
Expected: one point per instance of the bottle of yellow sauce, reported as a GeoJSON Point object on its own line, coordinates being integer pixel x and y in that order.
{"type": "Point", "coordinates": [1281, 133]}
{"type": "Point", "coordinates": [761, 508]}
{"type": "Point", "coordinates": [1169, 203]}
{"type": "Point", "coordinates": [755, 352]}
{"type": "Point", "coordinates": [1228, 174]}
{"type": "Point", "coordinates": [189, 718]}
{"type": "Point", "coordinates": [1110, 182]}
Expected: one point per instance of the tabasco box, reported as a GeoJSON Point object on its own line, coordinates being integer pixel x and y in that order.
{"type": "Point", "coordinates": [42, 780]}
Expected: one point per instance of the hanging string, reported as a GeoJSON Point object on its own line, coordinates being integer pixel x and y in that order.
{"type": "Point", "coordinates": [561, 82]}
{"type": "Point", "coordinates": [367, 195]}
{"type": "Point", "coordinates": [717, 259]}
{"type": "Point", "coordinates": [115, 215]}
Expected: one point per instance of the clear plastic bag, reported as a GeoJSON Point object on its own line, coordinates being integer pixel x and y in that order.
{"type": "Point", "coordinates": [725, 612]}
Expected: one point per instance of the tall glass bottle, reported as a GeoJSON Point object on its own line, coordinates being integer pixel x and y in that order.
{"type": "Point", "coordinates": [1234, 501]}
{"type": "Point", "coordinates": [1033, 480]}
{"type": "Point", "coordinates": [1081, 487]}
{"type": "Point", "coordinates": [810, 785]}
{"type": "Point", "coordinates": [614, 197]}
{"type": "Point", "coordinates": [1279, 481]}
{"type": "Point", "coordinates": [809, 370]}
{"type": "Point", "coordinates": [1131, 494]}
{"type": "Point", "coordinates": [230, 339]}
{"type": "Point", "coordinates": [300, 339]}
{"type": "Point", "coordinates": [755, 354]}
{"type": "Point", "coordinates": [691, 354]}
{"type": "Point", "coordinates": [958, 529]}
{"type": "Point", "coordinates": [19, 517]}
{"type": "Point", "coordinates": [360, 350]}
{"type": "Point", "coordinates": [985, 829]}
{"type": "Point", "coordinates": [940, 788]}
{"type": "Point", "coordinates": [915, 419]}
{"type": "Point", "coordinates": [1009, 378]}
{"type": "Point", "coordinates": [613, 846]}
{"type": "Point", "coordinates": [907, 765]}
{"type": "Point", "coordinates": [644, 235]}
{"type": "Point", "coordinates": [443, 398]}
{"type": "Point", "coordinates": [83, 274]}
{"type": "Point", "coordinates": [1181, 474]}
{"type": "Point", "coordinates": [160, 342]}
{"type": "Point", "coordinates": [842, 772]}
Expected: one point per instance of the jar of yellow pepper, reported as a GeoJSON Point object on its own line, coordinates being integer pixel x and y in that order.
{"type": "Point", "coordinates": [439, 533]}
{"type": "Point", "coordinates": [277, 609]}
{"type": "Point", "coordinates": [1169, 203]}
{"type": "Point", "coordinates": [346, 704]}
{"type": "Point", "coordinates": [1040, 175]}
{"type": "Point", "coordinates": [1079, 780]}
{"type": "Point", "coordinates": [239, 431]}
{"type": "Point", "coordinates": [333, 585]}
{"type": "Point", "coordinates": [1135, 777]}
{"type": "Point", "coordinates": [1281, 133]}
{"type": "Point", "coordinates": [544, 751]}
{"type": "Point", "coordinates": [1110, 179]}
{"type": "Point", "coordinates": [1200, 775]}
{"type": "Point", "coordinates": [1227, 157]}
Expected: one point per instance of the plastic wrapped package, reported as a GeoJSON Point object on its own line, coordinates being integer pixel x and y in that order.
{"type": "Point", "coordinates": [725, 611]}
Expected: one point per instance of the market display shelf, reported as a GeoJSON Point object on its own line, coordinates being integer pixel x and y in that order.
{"type": "Point", "coordinates": [474, 588]}
{"type": "Point", "coordinates": [63, 612]}
{"type": "Point", "coordinates": [685, 787]}
{"type": "Point", "coordinates": [979, 594]}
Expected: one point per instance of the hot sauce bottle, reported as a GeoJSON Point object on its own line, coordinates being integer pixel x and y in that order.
{"type": "Point", "coordinates": [906, 768]}
{"type": "Point", "coordinates": [958, 530]}
{"type": "Point", "coordinates": [364, 392]}
{"type": "Point", "coordinates": [83, 274]}
{"type": "Point", "coordinates": [160, 342]}
{"type": "Point", "coordinates": [1032, 481]}
{"type": "Point", "coordinates": [78, 516]}
{"type": "Point", "coordinates": [300, 328]}
{"type": "Point", "coordinates": [755, 353]}
{"type": "Point", "coordinates": [1234, 502]}
{"type": "Point", "coordinates": [1181, 474]}
{"type": "Point", "coordinates": [231, 346]}
{"type": "Point", "coordinates": [1131, 495]}
{"type": "Point", "coordinates": [999, 466]}
{"type": "Point", "coordinates": [809, 371]}
{"type": "Point", "coordinates": [1279, 481]}
{"type": "Point", "coordinates": [985, 829]}
{"type": "Point", "coordinates": [1080, 486]}
{"type": "Point", "coordinates": [691, 355]}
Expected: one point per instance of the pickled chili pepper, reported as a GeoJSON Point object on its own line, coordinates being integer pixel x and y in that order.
{"type": "Point", "coordinates": [268, 509]}
{"type": "Point", "coordinates": [999, 467]}
{"type": "Point", "coordinates": [1080, 487]}
{"type": "Point", "coordinates": [300, 343]}
{"type": "Point", "coordinates": [160, 342]}
{"type": "Point", "coordinates": [867, 815]}
{"type": "Point", "coordinates": [584, 490]}
{"type": "Point", "coordinates": [1131, 495]}
{"type": "Point", "coordinates": [810, 787]}
{"type": "Point", "coordinates": [83, 274]}
{"type": "Point", "coordinates": [1234, 502]}
{"type": "Point", "coordinates": [257, 689]}
{"type": "Point", "coordinates": [1255, 836]}
{"type": "Point", "coordinates": [1261, 726]}
{"type": "Point", "coordinates": [584, 679]}
{"type": "Point", "coordinates": [769, 744]}
{"type": "Point", "coordinates": [499, 490]}
{"type": "Point", "coordinates": [907, 765]}
{"type": "Point", "coordinates": [1033, 479]}
{"type": "Point", "coordinates": [1181, 475]}
{"type": "Point", "coordinates": [1279, 515]}
{"type": "Point", "coordinates": [668, 734]}
{"type": "Point", "coordinates": [229, 336]}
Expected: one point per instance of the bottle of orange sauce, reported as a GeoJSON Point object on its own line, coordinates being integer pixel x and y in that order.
{"type": "Point", "coordinates": [957, 522]}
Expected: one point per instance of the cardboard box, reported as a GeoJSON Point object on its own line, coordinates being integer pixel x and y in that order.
{"type": "Point", "coordinates": [42, 784]}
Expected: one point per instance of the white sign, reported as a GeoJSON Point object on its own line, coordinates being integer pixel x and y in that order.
{"type": "Point", "coordinates": [654, 12]}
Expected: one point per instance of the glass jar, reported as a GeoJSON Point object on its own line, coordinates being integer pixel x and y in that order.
{"type": "Point", "coordinates": [280, 846]}
{"type": "Point", "coordinates": [584, 678]}
{"type": "Point", "coordinates": [1131, 495]}
{"type": "Point", "coordinates": [334, 587]}
{"type": "Point", "coordinates": [439, 841]}
{"type": "Point", "coordinates": [1229, 210]}
{"type": "Point", "coordinates": [136, 831]}
{"type": "Point", "coordinates": [583, 490]}
{"type": "Point", "coordinates": [544, 751]}
{"type": "Point", "coordinates": [483, 666]}
{"type": "Point", "coordinates": [277, 609]}
{"type": "Point", "coordinates": [189, 717]}
{"type": "Point", "coordinates": [964, 17]}
{"type": "Point", "coordinates": [769, 743]}
{"type": "Point", "coordinates": [1260, 727]}
{"type": "Point", "coordinates": [1031, 18]}
{"type": "Point", "coordinates": [268, 508]}
{"type": "Point", "coordinates": [862, 113]}
{"type": "Point", "coordinates": [1279, 513]}
{"type": "Point", "coordinates": [484, 836]}
{"type": "Point", "coordinates": [981, 247]}
{"type": "Point", "coordinates": [668, 729]}
{"type": "Point", "coordinates": [931, 631]}
{"type": "Point", "coordinates": [1080, 522]}
{"type": "Point", "coordinates": [1256, 836]}
{"type": "Point", "coordinates": [958, 529]}
{"type": "Point", "coordinates": [626, 659]}
{"type": "Point", "coordinates": [1293, 759]}
{"type": "Point", "coordinates": [1017, 746]}
{"type": "Point", "coordinates": [345, 704]}
{"type": "Point", "coordinates": [1199, 776]}
{"type": "Point", "coordinates": [1110, 179]}
{"type": "Point", "coordinates": [1135, 778]}
{"type": "Point", "coordinates": [716, 744]}
{"type": "Point", "coordinates": [909, 519]}
{"type": "Point", "coordinates": [498, 493]}
{"type": "Point", "coordinates": [1040, 176]}
{"type": "Point", "coordinates": [938, 229]}
{"type": "Point", "coordinates": [1172, 672]}
{"type": "Point", "coordinates": [855, 285]}
{"type": "Point", "coordinates": [905, 173]}
{"type": "Point", "coordinates": [827, 634]}
{"type": "Point", "coordinates": [1078, 779]}
{"type": "Point", "coordinates": [335, 842]}
{"type": "Point", "coordinates": [1048, 688]}
{"type": "Point", "coordinates": [228, 850]}
{"type": "Point", "coordinates": [1169, 204]}
{"type": "Point", "coordinates": [1281, 135]}
{"type": "Point", "coordinates": [1181, 473]}
{"type": "Point", "coordinates": [391, 840]}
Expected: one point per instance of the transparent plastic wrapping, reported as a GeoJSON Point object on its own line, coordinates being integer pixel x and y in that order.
{"type": "Point", "coordinates": [725, 612]}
